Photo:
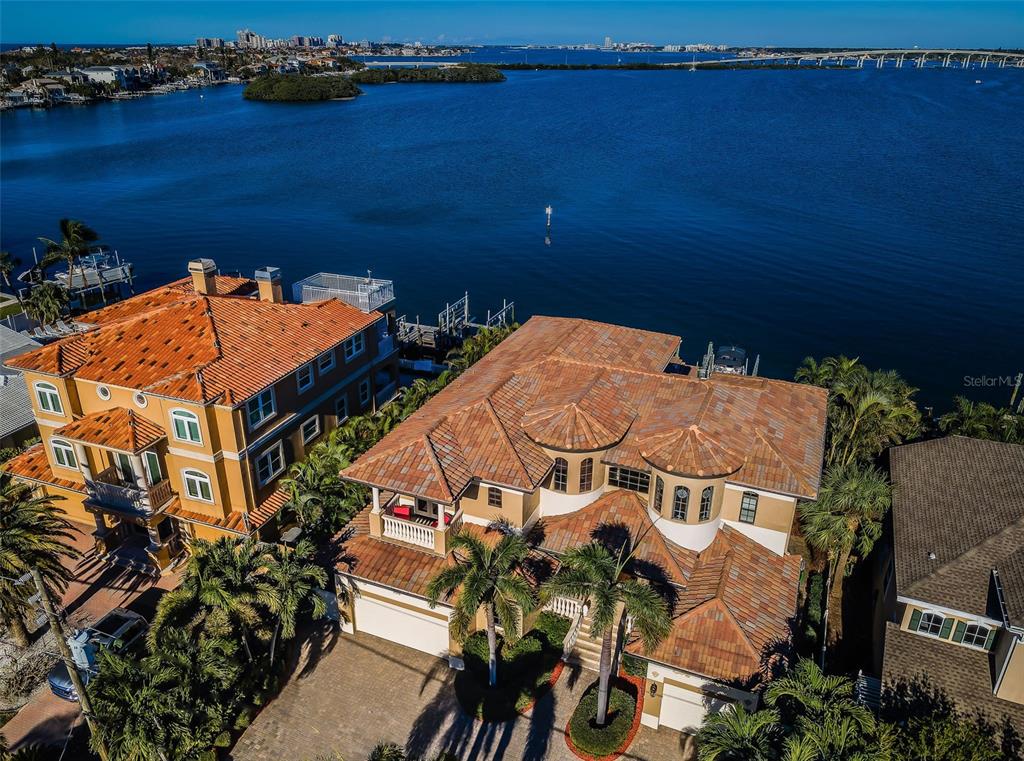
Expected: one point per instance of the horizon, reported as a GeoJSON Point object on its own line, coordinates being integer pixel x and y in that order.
{"type": "Point", "coordinates": [737, 23]}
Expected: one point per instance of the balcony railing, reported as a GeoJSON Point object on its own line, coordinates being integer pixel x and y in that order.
{"type": "Point", "coordinates": [108, 489]}
{"type": "Point", "coordinates": [364, 293]}
{"type": "Point", "coordinates": [417, 529]}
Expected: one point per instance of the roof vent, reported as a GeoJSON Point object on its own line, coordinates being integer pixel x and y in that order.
{"type": "Point", "coordinates": [931, 556]}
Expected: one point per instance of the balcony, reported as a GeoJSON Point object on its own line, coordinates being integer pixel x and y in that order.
{"type": "Point", "coordinates": [109, 490]}
{"type": "Point", "coordinates": [400, 523]}
{"type": "Point", "coordinates": [364, 293]}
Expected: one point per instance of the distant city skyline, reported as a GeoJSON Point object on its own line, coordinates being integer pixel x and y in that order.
{"type": "Point", "coordinates": [751, 22]}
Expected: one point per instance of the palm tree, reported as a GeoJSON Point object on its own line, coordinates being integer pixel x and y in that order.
{"type": "Point", "coordinates": [416, 395]}
{"type": "Point", "coordinates": [591, 573]}
{"type": "Point", "coordinates": [386, 752]}
{"type": "Point", "coordinates": [46, 302]}
{"type": "Point", "coordinates": [316, 491]}
{"type": "Point", "coordinates": [8, 262]}
{"type": "Point", "coordinates": [733, 734]}
{"type": "Point", "coordinates": [969, 418]}
{"type": "Point", "coordinates": [75, 238]}
{"type": "Point", "coordinates": [223, 593]}
{"type": "Point", "coordinates": [806, 692]}
{"type": "Point", "coordinates": [33, 534]}
{"type": "Point", "coordinates": [846, 518]}
{"type": "Point", "coordinates": [293, 583]}
{"type": "Point", "coordinates": [485, 575]}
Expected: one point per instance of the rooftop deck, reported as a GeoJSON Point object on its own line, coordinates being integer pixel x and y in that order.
{"type": "Point", "coordinates": [365, 293]}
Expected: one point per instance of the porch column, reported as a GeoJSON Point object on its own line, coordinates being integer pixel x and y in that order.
{"type": "Point", "coordinates": [140, 472]}
{"type": "Point", "coordinates": [376, 499]}
{"type": "Point", "coordinates": [83, 461]}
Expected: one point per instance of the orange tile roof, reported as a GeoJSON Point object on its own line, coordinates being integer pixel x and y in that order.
{"type": "Point", "coordinates": [116, 428]}
{"type": "Point", "coordinates": [237, 521]}
{"type": "Point", "coordinates": [173, 343]}
{"type": "Point", "coordinates": [737, 604]}
{"type": "Point", "coordinates": [32, 465]}
{"type": "Point", "coordinates": [575, 383]}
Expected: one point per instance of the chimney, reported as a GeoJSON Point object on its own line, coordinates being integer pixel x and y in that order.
{"type": "Point", "coordinates": [203, 281]}
{"type": "Point", "coordinates": [269, 281]}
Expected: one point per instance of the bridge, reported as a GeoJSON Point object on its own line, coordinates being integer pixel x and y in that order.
{"type": "Point", "coordinates": [409, 64]}
{"type": "Point", "coordinates": [858, 59]}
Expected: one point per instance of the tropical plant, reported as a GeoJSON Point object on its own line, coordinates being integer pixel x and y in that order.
{"type": "Point", "coordinates": [736, 735]}
{"type": "Point", "coordinates": [317, 495]}
{"type": "Point", "coordinates": [808, 694]}
{"type": "Point", "coordinates": [8, 262]}
{"type": "Point", "coordinates": [46, 302]}
{"type": "Point", "coordinates": [981, 420]}
{"type": "Point", "coordinates": [33, 534]}
{"type": "Point", "coordinates": [601, 579]}
{"type": "Point", "coordinates": [485, 575]}
{"type": "Point", "coordinates": [75, 238]}
{"type": "Point", "coordinates": [293, 583]}
{"type": "Point", "coordinates": [844, 522]}
{"type": "Point", "coordinates": [867, 410]}
{"type": "Point", "coordinates": [386, 752]}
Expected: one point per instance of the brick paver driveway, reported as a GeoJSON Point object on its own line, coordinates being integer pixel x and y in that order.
{"type": "Point", "coordinates": [355, 691]}
{"type": "Point", "coordinates": [97, 588]}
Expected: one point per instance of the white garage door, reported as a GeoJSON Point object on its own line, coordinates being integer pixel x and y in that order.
{"type": "Point", "coordinates": [406, 627]}
{"type": "Point", "coordinates": [684, 709]}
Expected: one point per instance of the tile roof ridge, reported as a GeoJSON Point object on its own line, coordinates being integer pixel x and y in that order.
{"type": "Point", "coordinates": [507, 440]}
{"type": "Point", "coordinates": [758, 433]}
{"type": "Point", "coordinates": [735, 622]}
{"type": "Point", "coordinates": [436, 464]}
{"type": "Point", "coordinates": [208, 312]}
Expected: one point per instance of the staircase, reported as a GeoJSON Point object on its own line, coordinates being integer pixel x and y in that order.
{"type": "Point", "coordinates": [587, 652]}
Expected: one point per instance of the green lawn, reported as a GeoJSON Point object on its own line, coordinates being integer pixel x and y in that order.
{"type": "Point", "coordinates": [524, 670]}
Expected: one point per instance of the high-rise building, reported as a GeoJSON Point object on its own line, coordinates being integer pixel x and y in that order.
{"type": "Point", "coordinates": [209, 42]}
{"type": "Point", "coordinates": [334, 40]}
{"type": "Point", "coordinates": [249, 39]}
{"type": "Point", "coordinates": [607, 43]}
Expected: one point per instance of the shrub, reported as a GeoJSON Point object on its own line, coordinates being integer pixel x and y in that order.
{"type": "Point", "coordinates": [603, 741]}
{"type": "Point", "coordinates": [815, 592]}
{"type": "Point", "coordinates": [634, 666]}
{"type": "Point", "coordinates": [552, 627]}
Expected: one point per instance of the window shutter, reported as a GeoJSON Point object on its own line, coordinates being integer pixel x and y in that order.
{"type": "Point", "coordinates": [958, 634]}
{"type": "Point", "coordinates": [947, 626]}
{"type": "Point", "coordinates": [991, 639]}
{"type": "Point", "coordinates": [915, 620]}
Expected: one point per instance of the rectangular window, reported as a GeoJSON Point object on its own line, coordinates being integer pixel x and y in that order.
{"type": "Point", "coordinates": [627, 478]}
{"type": "Point", "coordinates": [153, 472]}
{"type": "Point", "coordinates": [560, 475]}
{"type": "Point", "coordinates": [270, 463]}
{"type": "Point", "coordinates": [304, 377]}
{"type": "Point", "coordinates": [64, 455]}
{"type": "Point", "coordinates": [493, 497]}
{"type": "Point", "coordinates": [364, 392]}
{"type": "Point", "coordinates": [354, 346]}
{"type": "Point", "coordinates": [197, 485]}
{"type": "Point", "coordinates": [587, 474]}
{"type": "Point", "coordinates": [310, 429]}
{"type": "Point", "coordinates": [260, 407]}
{"type": "Point", "coordinates": [325, 363]}
{"type": "Point", "coordinates": [341, 408]}
{"type": "Point", "coordinates": [125, 471]}
{"type": "Point", "coordinates": [748, 507]}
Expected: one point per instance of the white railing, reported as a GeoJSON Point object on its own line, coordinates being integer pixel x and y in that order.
{"type": "Point", "coordinates": [408, 531]}
{"type": "Point", "coordinates": [365, 293]}
{"type": "Point", "coordinates": [569, 643]}
{"type": "Point", "coordinates": [565, 606]}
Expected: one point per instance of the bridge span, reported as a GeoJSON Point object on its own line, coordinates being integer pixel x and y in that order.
{"type": "Point", "coordinates": [858, 59]}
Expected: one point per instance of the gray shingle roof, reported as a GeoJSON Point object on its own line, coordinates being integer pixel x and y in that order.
{"type": "Point", "coordinates": [961, 500]}
{"type": "Point", "coordinates": [15, 409]}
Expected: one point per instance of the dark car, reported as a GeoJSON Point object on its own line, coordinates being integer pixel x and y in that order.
{"type": "Point", "coordinates": [117, 631]}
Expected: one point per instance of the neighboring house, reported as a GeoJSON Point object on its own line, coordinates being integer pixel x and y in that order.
{"type": "Point", "coordinates": [178, 413]}
{"type": "Point", "coordinates": [571, 427]}
{"type": "Point", "coordinates": [952, 588]}
{"type": "Point", "coordinates": [109, 75]}
{"type": "Point", "coordinates": [211, 71]}
{"type": "Point", "coordinates": [17, 423]}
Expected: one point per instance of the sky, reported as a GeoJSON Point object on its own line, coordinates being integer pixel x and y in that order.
{"type": "Point", "coordinates": [827, 23]}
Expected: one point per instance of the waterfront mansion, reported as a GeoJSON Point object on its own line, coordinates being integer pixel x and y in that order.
{"type": "Point", "coordinates": [574, 430]}
{"type": "Point", "coordinates": [173, 414]}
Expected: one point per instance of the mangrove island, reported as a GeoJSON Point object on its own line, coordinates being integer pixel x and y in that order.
{"type": "Point", "coordinates": [469, 72]}
{"type": "Point", "coordinates": [298, 89]}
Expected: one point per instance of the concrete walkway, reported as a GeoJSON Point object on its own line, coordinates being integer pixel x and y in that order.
{"type": "Point", "coordinates": [355, 691]}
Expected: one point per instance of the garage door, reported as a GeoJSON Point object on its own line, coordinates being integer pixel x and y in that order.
{"type": "Point", "coordinates": [684, 709]}
{"type": "Point", "coordinates": [406, 627]}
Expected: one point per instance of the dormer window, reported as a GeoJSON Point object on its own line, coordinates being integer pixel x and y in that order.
{"type": "Point", "coordinates": [932, 624]}
{"type": "Point", "coordinates": [974, 635]}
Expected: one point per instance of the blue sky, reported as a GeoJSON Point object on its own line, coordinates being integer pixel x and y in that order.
{"type": "Point", "coordinates": [970, 23]}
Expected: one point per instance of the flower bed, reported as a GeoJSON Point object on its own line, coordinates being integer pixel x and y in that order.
{"type": "Point", "coordinates": [625, 704]}
{"type": "Point", "coordinates": [526, 670]}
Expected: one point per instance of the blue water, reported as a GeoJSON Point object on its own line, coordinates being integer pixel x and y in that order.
{"type": "Point", "coordinates": [874, 213]}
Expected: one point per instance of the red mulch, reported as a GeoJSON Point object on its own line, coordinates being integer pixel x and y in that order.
{"type": "Point", "coordinates": [637, 682]}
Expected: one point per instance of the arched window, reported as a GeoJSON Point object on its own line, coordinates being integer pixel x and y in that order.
{"type": "Point", "coordinates": [680, 501]}
{"type": "Point", "coordinates": [49, 398]}
{"type": "Point", "coordinates": [748, 507]}
{"type": "Point", "coordinates": [587, 474]}
{"type": "Point", "coordinates": [63, 454]}
{"type": "Point", "coordinates": [933, 624]}
{"type": "Point", "coordinates": [659, 493]}
{"type": "Point", "coordinates": [706, 497]}
{"type": "Point", "coordinates": [198, 485]}
{"type": "Point", "coordinates": [975, 635]}
{"type": "Point", "coordinates": [560, 476]}
{"type": "Point", "coordinates": [186, 426]}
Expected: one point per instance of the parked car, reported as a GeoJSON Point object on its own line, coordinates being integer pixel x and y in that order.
{"type": "Point", "coordinates": [118, 631]}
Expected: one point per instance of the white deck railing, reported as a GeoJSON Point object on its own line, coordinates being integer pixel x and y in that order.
{"type": "Point", "coordinates": [364, 293]}
{"type": "Point", "coordinates": [564, 606]}
{"type": "Point", "coordinates": [408, 531]}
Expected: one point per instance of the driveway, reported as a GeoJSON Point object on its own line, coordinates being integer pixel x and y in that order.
{"type": "Point", "coordinates": [97, 588]}
{"type": "Point", "coordinates": [354, 691]}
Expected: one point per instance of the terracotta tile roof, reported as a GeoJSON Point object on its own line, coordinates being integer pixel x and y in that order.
{"type": "Point", "coordinates": [233, 523]}
{"type": "Point", "coordinates": [578, 383]}
{"type": "Point", "coordinates": [167, 295]}
{"type": "Point", "coordinates": [173, 343]}
{"type": "Point", "coordinates": [391, 565]}
{"type": "Point", "coordinates": [963, 674]}
{"type": "Point", "coordinates": [608, 519]}
{"type": "Point", "coordinates": [32, 465]}
{"type": "Point", "coordinates": [960, 499]}
{"type": "Point", "coordinates": [737, 604]}
{"type": "Point", "coordinates": [267, 509]}
{"type": "Point", "coordinates": [116, 428]}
